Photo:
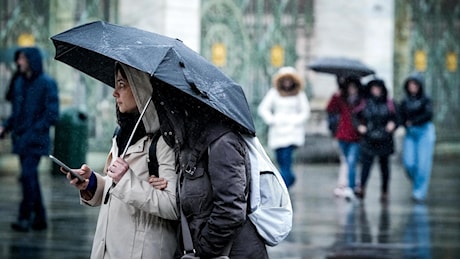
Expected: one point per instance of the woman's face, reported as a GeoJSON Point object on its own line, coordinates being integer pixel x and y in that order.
{"type": "Point", "coordinates": [287, 83]}
{"type": "Point", "coordinates": [413, 88]}
{"type": "Point", "coordinates": [376, 91]}
{"type": "Point", "coordinates": [123, 95]}
{"type": "Point", "coordinates": [352, 89]}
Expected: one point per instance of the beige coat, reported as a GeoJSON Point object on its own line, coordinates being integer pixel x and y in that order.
{"type": "Point", "coordinates": [136, 220]}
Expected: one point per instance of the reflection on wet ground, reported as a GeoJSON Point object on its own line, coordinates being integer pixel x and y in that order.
{"type": "Point", "coordinates": [324, 226]}
{"type": "Point", "coordinates": [329, 227]}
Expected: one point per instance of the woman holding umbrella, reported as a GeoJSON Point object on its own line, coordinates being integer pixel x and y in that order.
{"type": "Point", "coordinates": [344, 104]}
{"type": "Point", "coordinates": [137, 214]}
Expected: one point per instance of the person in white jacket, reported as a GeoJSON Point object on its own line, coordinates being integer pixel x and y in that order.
{"type": "Point", "coordinates": [285, 109]}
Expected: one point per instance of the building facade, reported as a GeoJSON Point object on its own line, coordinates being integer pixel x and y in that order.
{"type": "Point", "coordinates": [250, 40]}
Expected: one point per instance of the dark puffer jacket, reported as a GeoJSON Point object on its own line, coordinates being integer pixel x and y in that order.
{"type": "Point", "coordinates": [375, 113]}
{"type": "Point", "coordinates": [214, 198]}
{"type": "Point", "coordinates": [418, 108]}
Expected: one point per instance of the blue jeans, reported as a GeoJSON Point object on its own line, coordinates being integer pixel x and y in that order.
{"type": "Point", "coordinates": [284, 158]}
{"type": "Point", "coordinates": [351, 152]}
{"type": "Point", "coordinates": [418, 149]}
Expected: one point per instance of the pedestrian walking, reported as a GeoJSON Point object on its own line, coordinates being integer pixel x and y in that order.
{"type": "Point", "coordinates": [377, 120]}
{"type": "Point", "coordinates": [138, 213]}
{"type": "Point", "coordinates": [285, 109]}
{"type": "Point", "coordinates": [333, 121]}
{"type": "Point", "coordinates": [214, 178]}
{"type": "Point", "coordinates": [343, 104]}
{"type": "Point", "coordinates": [416, 113]}
{"type": "Point", "coordinates": [35, 108]}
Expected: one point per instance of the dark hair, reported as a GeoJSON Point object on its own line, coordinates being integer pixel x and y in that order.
{"type": "Point", "coordinates": [341, 82]}
{"type": "Point", "coordinates": [119, 68]}
{"type": "Point", "coordinates": [352, 80]}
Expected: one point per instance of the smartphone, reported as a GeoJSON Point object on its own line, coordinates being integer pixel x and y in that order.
{"type": "Point", "coordinates": [67, 169]}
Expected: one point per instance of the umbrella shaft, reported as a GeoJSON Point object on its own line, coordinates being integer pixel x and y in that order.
{"type": "Point", "coordinates": [135, 128]}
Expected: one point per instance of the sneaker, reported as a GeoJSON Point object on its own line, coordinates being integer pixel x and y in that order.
{"type": "Point", "coordinates": [348, 193]}
{"type": "Point", "coordinates": [418, 200]}
{"type": "Point", "coordinates": [339, 191]}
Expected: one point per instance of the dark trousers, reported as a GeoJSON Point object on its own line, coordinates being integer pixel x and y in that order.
{"type": "Point", "coordinates": [31, 207]}
{"type": "Point", "coordinates": [366, 163]}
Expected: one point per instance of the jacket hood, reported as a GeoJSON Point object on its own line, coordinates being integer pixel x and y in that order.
{"type": "Point", "coordinates": [34, 57]}
{"type": "Point", "coordinates": [380, 83]}
{"type": "Point", "coordinates": [291, 73]}
{"type": "Point", "coordinates": [418, 79]}
{"type": "Point", "coordinates": [142, 91]}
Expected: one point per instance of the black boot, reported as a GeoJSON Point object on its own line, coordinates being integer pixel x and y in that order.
{"type": "Point", "coordinates": [21, 225]}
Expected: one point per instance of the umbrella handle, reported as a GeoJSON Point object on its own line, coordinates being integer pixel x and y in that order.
{"type": "Point", "coordinates": [135, 128]}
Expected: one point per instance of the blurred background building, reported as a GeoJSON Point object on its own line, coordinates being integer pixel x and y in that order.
{"type": "Point", "coordinates": [249, 40]}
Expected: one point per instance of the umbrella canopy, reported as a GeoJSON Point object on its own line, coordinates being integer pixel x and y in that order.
{"type": "Point", "coordinates": [341, 66]}
{"type": "Point", "coordinates": [93, 49]}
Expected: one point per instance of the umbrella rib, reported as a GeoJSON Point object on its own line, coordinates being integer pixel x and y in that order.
{"type": "Point", "coordinates": [65, 52]}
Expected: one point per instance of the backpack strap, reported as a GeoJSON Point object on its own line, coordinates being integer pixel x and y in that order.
{"type": "Point", "coordinates": [152, 159]}
{"type": "Point", "coordinates": [190, 156]}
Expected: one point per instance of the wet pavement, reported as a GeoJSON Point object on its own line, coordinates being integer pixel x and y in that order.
{"type": "Point", "coordinates": [324, 226]}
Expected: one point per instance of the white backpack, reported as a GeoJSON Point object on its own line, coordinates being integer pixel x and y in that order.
{"type": "Point", "coordinates": [271, 209]}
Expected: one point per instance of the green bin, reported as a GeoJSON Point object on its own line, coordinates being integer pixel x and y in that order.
{"type": "Point", "coordinates": [71, 139]}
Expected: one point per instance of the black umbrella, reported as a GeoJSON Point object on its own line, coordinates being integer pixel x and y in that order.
{"type": "Point", "coordinates": [93, 49]}
{"type": "Point", "coordinates": [341, 66]}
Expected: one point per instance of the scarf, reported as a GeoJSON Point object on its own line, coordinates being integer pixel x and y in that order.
{"type": "Point", "coordinates": [127, 121]}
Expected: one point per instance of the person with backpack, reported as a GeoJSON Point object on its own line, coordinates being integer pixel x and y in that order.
{"type": "Point", "coordinates": [416, 113]}
{"type": "Point", "coordinates": [214, 178]}
{"type": "Point", "coordinates": [138, 212]}
{"type": "Point", "coordinates": [376, 122]}
{"type": "Point", "coordinates": [285, 109]}
{"type": "Point", "coordinates": [343, 104]}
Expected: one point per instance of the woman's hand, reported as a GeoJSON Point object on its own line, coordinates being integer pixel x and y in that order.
{"type": "Point", "coordinates": [158, 183]}
{"type": "Point", "coordinates": [84, 171]}
{"type": "Point", "coordinates": [390, 126]}
{"type": "Point", "coordinates": [362, 129]}
{"type": "Point", "coordinates": [117, 169]}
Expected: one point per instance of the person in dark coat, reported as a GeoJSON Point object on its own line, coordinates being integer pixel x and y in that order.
{"type": "Point", "coordinates": [376, 120]}
{"type": "Point", "coordinates": [416, 113]}
{"type": "Point", "coordinates": [35, 108]}
{"type": "Point", "coordinates": [214, 183]}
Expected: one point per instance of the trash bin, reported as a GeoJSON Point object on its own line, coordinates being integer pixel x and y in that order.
{"type": "Point", "coordinates": [71, 139]}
